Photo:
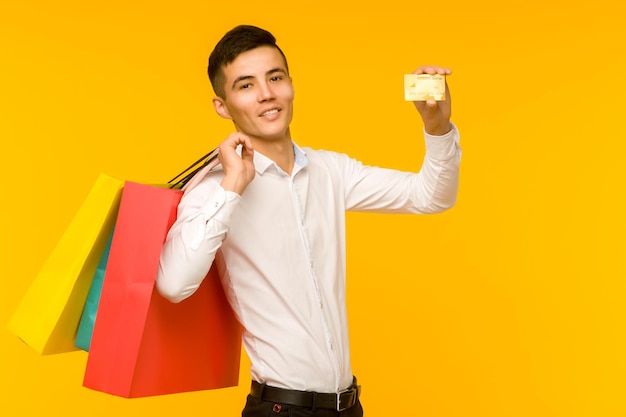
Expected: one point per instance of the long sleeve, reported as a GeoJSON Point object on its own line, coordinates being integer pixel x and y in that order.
{"type": "Point", "coordinates": [204, 216]}
{"type": "Point", "coordinates": [431, 190]}
{"type": "Point", "coordinates": [439, 174]}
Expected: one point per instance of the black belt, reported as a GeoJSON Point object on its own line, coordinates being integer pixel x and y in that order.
{"type": "Point", "coordinates": [334, 401]}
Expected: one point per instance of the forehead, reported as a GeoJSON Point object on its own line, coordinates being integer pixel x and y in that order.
{"type": "Point", "coordinates": [255, 62]}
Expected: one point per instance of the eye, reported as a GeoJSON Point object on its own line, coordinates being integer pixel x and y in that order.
{"type": "Point", "coordinates": [276, 78]}
{"type": "Point", "coordinates": [245, 86]}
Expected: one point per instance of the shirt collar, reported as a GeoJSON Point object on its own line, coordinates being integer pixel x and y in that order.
{"type": "Point", "coordinates": [262, 162]}
{"type": "Point", "coordinates": [301, 159]}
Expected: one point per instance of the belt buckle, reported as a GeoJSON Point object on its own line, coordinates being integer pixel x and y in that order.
{"type": "Point", "coordinates": [350, 400]}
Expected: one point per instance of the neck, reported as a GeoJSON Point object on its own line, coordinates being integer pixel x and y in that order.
{"type": "Point", "coordinates": [279, 151]}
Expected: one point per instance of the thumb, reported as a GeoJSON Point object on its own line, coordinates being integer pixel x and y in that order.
{"type": "Point", "coordinates": [247, 152]}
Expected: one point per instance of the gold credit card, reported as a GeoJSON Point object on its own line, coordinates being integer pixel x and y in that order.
{"type": "Point", "coordinates": [421, 87]}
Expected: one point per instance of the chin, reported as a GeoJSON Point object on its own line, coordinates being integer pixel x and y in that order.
{"type": "Point", "coordinates": [274, 134]}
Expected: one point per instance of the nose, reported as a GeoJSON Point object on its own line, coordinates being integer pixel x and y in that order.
{"type": "Point", "coordinates": [265, 92]}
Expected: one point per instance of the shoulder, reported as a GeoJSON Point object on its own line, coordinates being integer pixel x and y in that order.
{"type": "Point", "coordinates": [325, 157]}
{"type": "Point", "coordinates": [205, 182]}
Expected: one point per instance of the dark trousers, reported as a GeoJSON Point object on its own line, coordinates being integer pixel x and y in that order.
{"type": "Point", "coordinates": [257, 408]}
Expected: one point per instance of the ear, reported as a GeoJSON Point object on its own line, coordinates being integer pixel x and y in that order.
{"type": "Point", "coordinates": [220, 107]}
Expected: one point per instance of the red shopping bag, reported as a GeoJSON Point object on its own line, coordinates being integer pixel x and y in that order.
{"type": "Point", "coordinates": [142, 344]}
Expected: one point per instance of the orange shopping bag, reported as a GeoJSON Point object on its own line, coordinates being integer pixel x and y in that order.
{"type": "Point", "coordinates": [142, 344]}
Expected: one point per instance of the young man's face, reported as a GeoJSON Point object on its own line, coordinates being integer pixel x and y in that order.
{"type": "Point", "coordinates": [258, 94]}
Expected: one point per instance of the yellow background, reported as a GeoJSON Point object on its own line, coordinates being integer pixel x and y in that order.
{"type": "Point", "coordinates": [510, 304]}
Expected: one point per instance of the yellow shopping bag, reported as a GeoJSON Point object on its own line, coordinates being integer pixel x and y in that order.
{"type": "Point", "coordinates": [48, 316]}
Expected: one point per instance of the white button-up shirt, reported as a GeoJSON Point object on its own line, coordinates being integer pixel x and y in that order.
{"type": "Point", "coordinates": [280, 249]}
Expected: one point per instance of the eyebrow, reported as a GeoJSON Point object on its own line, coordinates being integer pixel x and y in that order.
{"type": "Point", "coordinates": [249, 77]}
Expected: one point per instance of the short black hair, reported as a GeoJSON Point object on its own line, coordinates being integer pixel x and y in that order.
{"type": "Point", "coordinates": [236, 41]}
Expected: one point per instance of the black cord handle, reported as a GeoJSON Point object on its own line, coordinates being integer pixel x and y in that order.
{"type": "Point", "coordinates": [193, 169]}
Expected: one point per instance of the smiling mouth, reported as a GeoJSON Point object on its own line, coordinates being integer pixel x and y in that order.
{"type": "Point", "coordinates": [269, 112]}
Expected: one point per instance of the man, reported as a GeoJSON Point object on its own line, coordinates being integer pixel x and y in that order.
{"type": "Point", "coordinates": [272, 218]}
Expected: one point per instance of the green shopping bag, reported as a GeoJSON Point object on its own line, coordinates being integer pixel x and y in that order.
{"type": "Point", "coordinates": [88, 318]}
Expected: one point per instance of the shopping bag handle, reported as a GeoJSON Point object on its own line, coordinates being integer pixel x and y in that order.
{"type": "Point", "coordinates": [192, 170]}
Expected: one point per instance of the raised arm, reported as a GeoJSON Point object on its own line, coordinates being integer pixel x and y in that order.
{"type": "Point", "coordinates": [204, 216]}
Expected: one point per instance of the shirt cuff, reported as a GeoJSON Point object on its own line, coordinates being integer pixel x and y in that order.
{"type": "Point", "coordinates": [213, 219]}
{"type": "Point", "coordinates": [220, 208]}
{"type": "Point", "coordinates": [443, 147]}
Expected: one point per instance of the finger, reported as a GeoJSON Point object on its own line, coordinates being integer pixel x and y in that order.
{"type": "Point", "coordinates": [247, 151]}
{"type": "Point", "coordinates": [247, 143]}
{"type": "Point", "coordinates": [230, 142]}
{"type": "Point", "coordinates": [239, 139]}
{"type": "Point", "coordinates": [432, 69]}
{"type": "Point", "coordinates": [236, 139]}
